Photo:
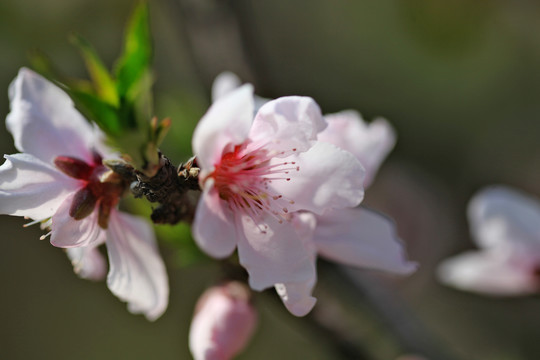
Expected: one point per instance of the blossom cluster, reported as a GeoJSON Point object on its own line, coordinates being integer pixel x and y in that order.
{"type": "Point", "coordinates": [280, 183]}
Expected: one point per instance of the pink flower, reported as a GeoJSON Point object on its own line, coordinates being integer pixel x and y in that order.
{"type": "Point", "coordinates": [352, 236]}
{"type": "Point", "coordinates": [59, 180]}
{"type": "Point", "coordinates": [256, 173]}
{"type": "Point", "coordinates": [505, 224]}
{"type": "Point", "coordinates": [370, 143]}
{"type": "Point", "coordinates": [223, 323]}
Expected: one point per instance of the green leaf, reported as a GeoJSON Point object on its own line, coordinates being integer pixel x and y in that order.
{"type": "Point", "coordinates": [104, 84]}
{"type": "Point", "coordinates": [101, 112]}
{"type": "Point", "coordinates": [136, 57]}
{"type": "Point", "coordinates": [42, 64]}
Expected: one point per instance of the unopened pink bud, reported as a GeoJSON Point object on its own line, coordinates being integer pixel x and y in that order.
{"type": "Point", "coordinates": [223, 323]}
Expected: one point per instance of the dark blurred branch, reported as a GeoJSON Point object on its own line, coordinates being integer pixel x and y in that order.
{"type": "Point", "coordinates": [344, 348]}
{"type": "Point", "coordinates": [401, 329]}
{"type": "Point", "coordinates": [248, 32]}
{"type": "Point", "coordinates": [213, 36]}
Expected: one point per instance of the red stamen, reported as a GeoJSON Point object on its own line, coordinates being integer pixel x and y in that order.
{"type": "Point", "coordinates": [100, 185]}
{"type": "Point", "coordinates": [83, 203]}
{"type": "Point", "coordinates": [76, 168]}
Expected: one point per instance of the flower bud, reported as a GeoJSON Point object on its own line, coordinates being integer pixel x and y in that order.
{"type": "Point", "coordinates": [223, 322]}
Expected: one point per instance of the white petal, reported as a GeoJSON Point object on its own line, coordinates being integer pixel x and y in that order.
{"type": "Point", "coordinates": [88, 262]}
{"type": "Point", "coordinates": [501, 215]}
{"type": "Point", "coordinates": [224, 84]}
{"type": "Point", "coordinates": [30, 187]}
{"type": "Point", "coordinates": [259, 102]}
{"type": "Point", "coordinates": [225, 124]}
{"type": "Point", "coordinates": [370, 143]}
{"type": "Point", "coordinates": [328, 177]}
{"type": "Point", "coordinates": [137, 273]}
{"type": "Point", "coordinates": [488, 272]}
{"type": "Point", "coordinates": [44, 121]}
{"type": "Point", "coordinates": [274, 253]}
{"type": "Point", "coordinates": [68, 232]}
{"type": "Point", "coordinates": [213, 227]}
{"type": "Point", "coordinates": [297, 296]}
{"type": "Point", "coordinates": [287, 123]}
{"type": "Point", "coordinates": [363, 238]}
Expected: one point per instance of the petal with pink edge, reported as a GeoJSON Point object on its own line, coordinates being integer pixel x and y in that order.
{"type": "Point", "coordinates": [32, 188]}
{"type": "Point", "coordinates": [500, 215]}
{"type": "Point", "coordinates": [273, 253]}
{"type": "Point", "coordinates": [225, 124]}
{"type": "Point", "coordinates": [363, 238]}
{"type": "Point", "coordinates": [370, 143]}
{"type": "Point", "coordinates": [327, 177]}
{"type": "Point", "coordinates": [488, 272]}
{"type": "Point", "coordinates": [44, 121]}
{"type": "Point", "coordinates": [137, 273]}
{"type": "Point", "coordinates": [287, 124]}
{"type": "Point", "coordinates": [88, 262]}
{"type": "Point", "coordinates": [213, 227]}
{"type": "Point", "coordinates": [68, 232]}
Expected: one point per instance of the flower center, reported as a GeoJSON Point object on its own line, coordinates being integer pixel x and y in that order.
{"type": "Point", "coordinates": [243, 178]}
{"type": "Point", "coordinates": [101, 187]}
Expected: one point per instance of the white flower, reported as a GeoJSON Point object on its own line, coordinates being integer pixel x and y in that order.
{"type": "Point", "coordinates": [58, 179]}
{"type": "Point", "coordinates": [352, 236]}
{"type": "Point", "coordinates": [505, 225]}
{"type": "Point", "coordinates": [256, 173]}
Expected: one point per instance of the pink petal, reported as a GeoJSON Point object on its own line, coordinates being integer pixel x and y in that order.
{"type": "Point", "coordinates": [223, 323]}
{"type": "Point", "coordinates": [363, 238]}
{"type": "Point", "coordinates": [137, 273]}
{"type": "Point", "coordinates": [297, 296]}
{"type": "Point", "coordinates": [328, 177]}
{"type": "Point", "coordinates": [273, 253]}
{"type": "Point", "coordinates": [213, 227]}
{"type": "Point", "coordinates": [30, 187]}
{"type": "Point", "coordinates": [287, 123]}
{"type": "Point", "coordinates": [489, 272]}
{"type": "Point", "coordinates": [225, 124]}
{"type": "Point", "coordinates": [503, 216]}
{"type": "Point", "coordinates": [370, 143]}
{"type": "Point", "coordinates": [68, 232]}
{"type": "Point", "coordinates": [44, 121]}
{"type": "Point", "coordinates": [88, 262]}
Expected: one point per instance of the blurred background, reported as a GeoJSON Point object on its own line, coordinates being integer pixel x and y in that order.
{"type": "Point", "coordinates": [459, 80]}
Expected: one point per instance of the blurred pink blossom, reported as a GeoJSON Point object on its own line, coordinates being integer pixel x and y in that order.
{"type": "Point", "coordinates": [223, 323]}
{"type": "Point", "coordinates": [505, 225]}
{"type": "Point", "coordinates": [59, 180]}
